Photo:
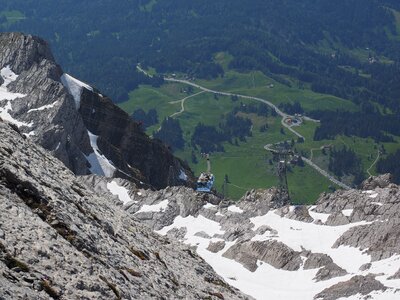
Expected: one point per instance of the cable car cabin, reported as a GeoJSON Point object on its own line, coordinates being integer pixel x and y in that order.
{"type": "Point", "coordinates": [205, 182]}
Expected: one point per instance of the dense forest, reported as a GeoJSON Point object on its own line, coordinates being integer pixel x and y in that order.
{"type": "Point", "coordinates": [317, 43]}
{"type": "Point", "coordinates": [232, 129]}
{"type": "Point", "coordinates": [146, 119]}
{"type": "Point", "coordinates": [344, 162]}
{"type": "Point", "coordinates": [171, 134]}
{"type": "Point", "coordinates": [391, 164]}
{"type": "Point", "coordinates": [368, 123]}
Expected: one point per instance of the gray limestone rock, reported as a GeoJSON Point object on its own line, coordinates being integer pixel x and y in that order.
{"type": "Point", "coordinates": [182, 202]}
{"type": "Point", "coordinates": [356, 285]}
{"type": "Point", "coordinates": [327, 268]}
{"type": "Point", "coordinates": [54, 120]}
{"type": "Point", "coordinates": [365, 267]}
{"type": "Point", "coordinates": [274, 253]}
{"type": "Point", "coordinates": [177, 234]}
{"type": "Point", "coordinates": [258, 201]}
{"type": "Point", "coordinates": [216, 246]}
{"type": "Point", "coordinates": [21, 51]}
{"type": "Point", "coordinates": [62, 239]}
{"type": "Point", "coordinates": [316, 260]}
{"type": "Point", "coordinates": [337, 219]}
{"type": "Point", "coordinates": [329, 271]}
{"type": "Point", "coordinates": [202, 234]}
{"type": "Point", "coordinates": [396, 275]}
{"type": "Point", "coordinates": [373, 182]}
{"type": "Point", "coordinates": [300, 213]}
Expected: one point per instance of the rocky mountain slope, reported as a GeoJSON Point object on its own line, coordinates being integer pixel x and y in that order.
{"type": "Point", "coordinates": [59, 239]}
{"type": "Point", "coordinates": [347, 246]}
{"type": "Point", "coordinates": [80, 126]}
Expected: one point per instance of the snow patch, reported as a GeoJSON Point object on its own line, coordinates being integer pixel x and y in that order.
{"type": "Point", "coordinates": [74, 87]}
{"type": "Point", "coordinates": [377, 203]}
{"type": "Point", "coordinates": [347, 212]}
{"type": "Point", "coordinates": [235, 209]}
{"type": "Point", "coordinates": [183, 176]}
{"type": "Point", "coordinates": [388, 267]}
{"type": "Point", "coordinates": [371, 194]}
{"type": "Point", "coordinates": [31, 133]}
{"type": "Point", "coordinates": [267, 280]}
{"type": "Point", "coordinates": [9, 76]}
{"type": "Point", "coordinates": [375, 295]}
{"type": "Point", "coordinates": [313, 237]}
{"type": "Point", "coordinates": [318, 216]}
{"type": "Point", "coordinates": [119, 191]}
{"type": "Point", "coordinates": [194, 225]}
{"type": "Point", "coordinates": [155, 207]}
{"type": "Point", "coordinates": [209, 205]}
{"type": "Point", "coordinates": [42, 107]}
{"type": "Point", "coordinates": [99, 164]}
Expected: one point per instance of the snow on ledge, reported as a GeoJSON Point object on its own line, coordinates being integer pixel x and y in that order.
{"type": "Point", "coordinates": [119, 191]}
{"type": "Point", "coordinates": [235, 209]}
{"type": "Point", "coordinates": [99, 164]}
{"type": "Point", "coordinates": [371, 194]}
{"type": "Point", "coordinates": [74, 87]}
{"type": "Point", "coordinates": [154, 208]}
{"type": "Point", "coordinates": [347, 212]}
{"type": "Point", "coordinates": [209, 205]}
{"type": "Point", "coordinates": [316, 238]}
{"type": "Point", "coordinates": [318, 216]}
{"type": "Point", "coordinates": [48, 106]}
{"type": "Point", "coordinates": [183, 176]}
{"type": "Point", "coordinates": [9, 76]}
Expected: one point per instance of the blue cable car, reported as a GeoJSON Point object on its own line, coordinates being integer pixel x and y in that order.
{"type": "Point", "coordinates": [205, 183]}
{"type": "Point", "coordinates": [206, 180]}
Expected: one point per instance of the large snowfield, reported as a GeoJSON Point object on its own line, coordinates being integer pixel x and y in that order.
{"type": "Point", "coordinates": [268, 282]}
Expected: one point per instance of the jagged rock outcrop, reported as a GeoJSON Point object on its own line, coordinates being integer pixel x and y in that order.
{"type": "Point", "coordinates": [373, 182]}
{"type": "Point", "coordinates": [60, 239]}
{"type": "Point", "coordinates": [22, 51]}
{"type": "Point", "coordinates": [327, 268]}
{"type": "Point", "coordinates": [182, 201]}
{"type": "Point", "coordinates": [274, 253]}
{"type": "Point", "coordinates": [215, 247]}
{"type": "Point", "coordinates": [81, 127]}
{"type": "Point", "coordinates": [363, 285]}
{"type": "Point", "coordinates": [380, 207]}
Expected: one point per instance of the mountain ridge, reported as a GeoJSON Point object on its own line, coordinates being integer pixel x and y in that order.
{"type": "Point", "coordinates": [70, 131]}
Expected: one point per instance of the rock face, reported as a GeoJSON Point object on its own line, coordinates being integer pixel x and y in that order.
{"type": "Point", "coordinates": [381, 181]}
{"type": "Point", "coordinates": [363, 285]}
{"type": "Point", "coordinates": [380, 236]}
{"type": "Point", "coordinates": [60, 239]}
{"type": "Point", "coordinates": [81, 127]}
{"type": "Point", "coordinates": [274, 253]}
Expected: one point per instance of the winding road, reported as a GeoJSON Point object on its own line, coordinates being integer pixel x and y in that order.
{"type": "Point", "coordinates": [279, 112]}
{"type": "Point", "coordinates": [183, 104]}
{"type": "Point", "coordinates": [374, 163]}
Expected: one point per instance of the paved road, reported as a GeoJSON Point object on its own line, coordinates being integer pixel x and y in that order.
{"type": "Point", "coordinates": [279, 112]}
{"type": "Point", "coordinates": [270, 104]}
